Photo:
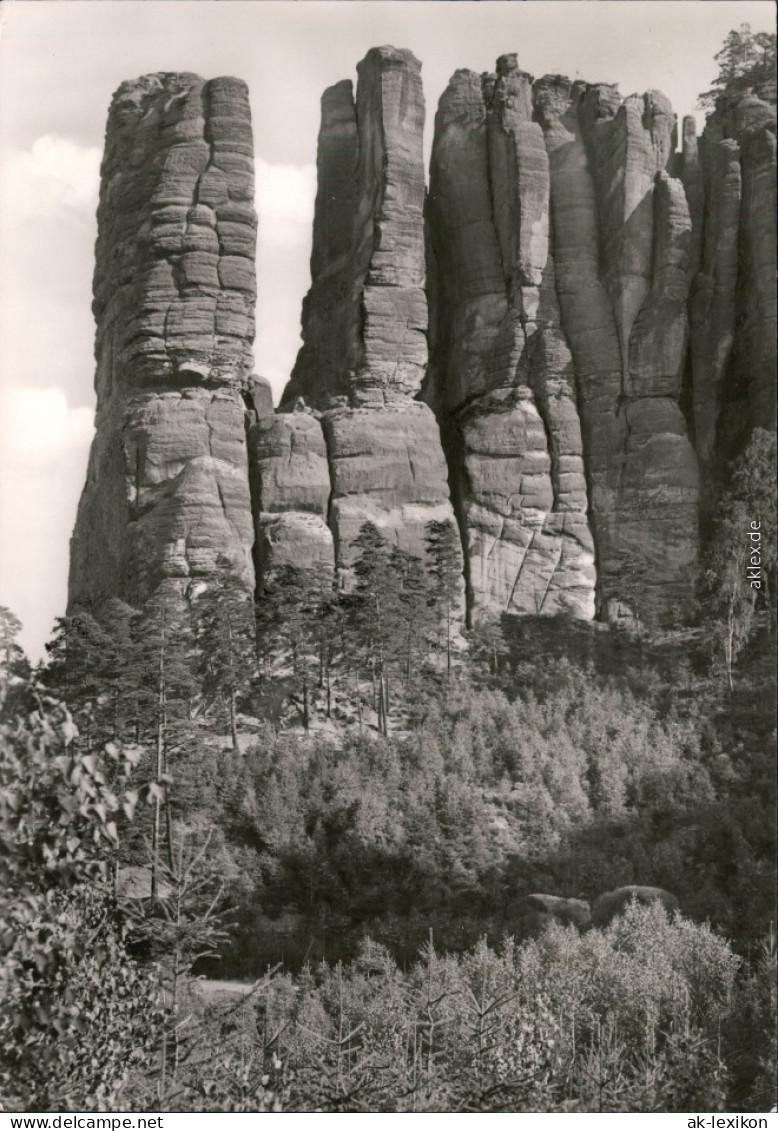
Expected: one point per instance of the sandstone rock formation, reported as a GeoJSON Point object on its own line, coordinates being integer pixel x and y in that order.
{"type": "Point", "coordinates": [601, 322]}
{"type": "Point", "coordinates": [365, 319]}
{"type": "Point", "coordinates": [560, 346]}
{"type": "Point", "coordinates": [167, 487]}
{"type": "Point", "coordinates": [612, 903]}
{"type": "Point", "coordinates": [541, 910]}
{"type": "Point", "coordinates": [291, 492]}
{"type": "Point", "coordinates": [503, 381]}
{"type": "Point", "coordinates": [732, 308]}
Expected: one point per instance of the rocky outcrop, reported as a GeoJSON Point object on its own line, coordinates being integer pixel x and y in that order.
{"type": "Point", "coordinates": [601, 323]}
{"type": "Point", "coordinates": [167, 487]}
{"type": "Point", "coordinates": [503, 381]}
{"type": "Point", "coordinates": [365, 317]}
{"type": "Point", "coordinates": [622, 242]}
{"type": "Point", "coordinates": [364, 351]}
{"type": "Point", "coordinates": [732, 308]}
{"type": "Point", "coordinates": [539, 911]}
{"type": "Point", "coordinates": [291, 492]}
{"type": "Point", "coordinates": [612, 903]}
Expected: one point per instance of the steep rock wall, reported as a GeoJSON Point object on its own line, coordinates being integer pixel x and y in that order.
{"type": "Point", "coordinates": [502, 378]}
{"type": "Point", "coordinates": [732, 308]}
{"type": "Point", "coordinates": [174, 289]}
{"type": "Point", "coordinates": [364, 352]}
{"type": "Point", "coordinates": [562, 251]}
{"type": "Point", "coordinates": [601, 321]}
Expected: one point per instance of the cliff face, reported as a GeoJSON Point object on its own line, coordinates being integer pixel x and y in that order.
{"type": "Point", "coordinates": [562, 249]}
{"type": "Point", "coordinates": [167, 487]}
{"type": "Point", "coordinates": [732, 307]}
{"type": "Point", "coordinates": [598, 306]}
{"type": "Point", "coordinates": [502, 380]}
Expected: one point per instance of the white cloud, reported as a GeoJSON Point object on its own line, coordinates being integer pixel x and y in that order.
{"type": "Point", "coordinates": [55, 173]}
{"type": "Point", "coordinates": [284, 199]}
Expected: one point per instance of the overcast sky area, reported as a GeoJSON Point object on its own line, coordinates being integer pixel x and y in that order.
{"type": "Point", "coordinates": [60, 62]}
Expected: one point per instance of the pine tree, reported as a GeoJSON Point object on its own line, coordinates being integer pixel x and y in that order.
{"type": "Point", "coordinates": [372, 608]}
{"type": "Point", "coordinates": [89, 660]}
{"type": "Point", "coordinates": [746, 59]}
{"type": "Point", "coordinates": [411, 620]}
{"type": "Point", "coordinates": [289, 631]}
{"type": "Point", "coordinates": [225, 642]}
{"type": "Point", "coordinates": [444, 553]}
{"type": "Point", "coordinates": [13, 662]}
{"type": "Point", "coordinates": [163, 673]}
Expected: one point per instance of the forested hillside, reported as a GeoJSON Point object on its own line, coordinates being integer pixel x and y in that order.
{"type": "Point", "coordinates": [352, 781]}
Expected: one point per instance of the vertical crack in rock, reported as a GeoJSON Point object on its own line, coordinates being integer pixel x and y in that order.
{"type": "Point", "coordinates": [174, 289]}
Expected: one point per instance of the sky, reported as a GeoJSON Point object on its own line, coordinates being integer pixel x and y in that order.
{"type": "Point", "coordinates": [61, 60]}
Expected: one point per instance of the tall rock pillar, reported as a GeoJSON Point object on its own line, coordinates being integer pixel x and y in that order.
{"type": "Point", "coordinates": [364, 353]}
{"type": "Point", "coordinates": [623, 245]}
{"type": "Point", "coordinates": [503, 381]}
{"type": "Point", "coordinates": [174, 289]}
{"type": "Point", "coordinates": [732, 306]}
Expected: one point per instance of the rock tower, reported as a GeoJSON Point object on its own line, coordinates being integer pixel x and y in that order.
{"type": "Point", "coordinates": [555, 348]}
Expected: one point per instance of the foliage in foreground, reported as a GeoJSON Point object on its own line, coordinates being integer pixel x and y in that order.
{"type": "Point", "coordinates": [77, 1013]}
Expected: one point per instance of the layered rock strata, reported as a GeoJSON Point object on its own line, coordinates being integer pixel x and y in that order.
{"type": "Point", "coordinates": [364, 350]}
{"type": "Point", "coordinates": [291, 492]}
{"type": "Point", "coordinates": [167, 490]}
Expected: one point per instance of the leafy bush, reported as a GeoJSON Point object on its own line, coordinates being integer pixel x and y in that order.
{"type": "Point", "coordinates": [78, 1012]}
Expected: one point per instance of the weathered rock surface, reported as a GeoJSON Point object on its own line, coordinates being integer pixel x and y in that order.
{"type": "Point", "coordinates": [387, 467]}
{"type": "Point", "coordinates": [167, 489]}
{"type": "Point", "coordinates": [364, 351]}
{"type": "Point", "coordinates": [601, 322]}
{"type": "Point", "coordinates": [291, 492]}
{"type": "Point", "coordinates": [732, 310]}
{"type": "Point", "coordinates": [365, 317]}
{"type": "Point", "coordinates": [622, 243]}
{"type": "Point", "coordinates": [541, 910]}
{"type": "Point", "coordinates": [503, 378]}
{"type": "Point", "coordinates": [612, 903]}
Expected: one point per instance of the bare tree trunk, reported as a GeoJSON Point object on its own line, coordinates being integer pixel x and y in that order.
{"type": "Point", "coordinates": [234, 722]}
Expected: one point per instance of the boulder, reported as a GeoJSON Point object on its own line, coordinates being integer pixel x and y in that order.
{"type": "Point", "coordinates": [540, 910]}
{"type": "Point", "coordinates": [612, 903]}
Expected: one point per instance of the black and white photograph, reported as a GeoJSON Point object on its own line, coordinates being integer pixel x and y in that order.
{"type": "Point", "coordinates": [387, 560]}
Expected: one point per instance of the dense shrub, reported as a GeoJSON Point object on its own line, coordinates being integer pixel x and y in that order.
{"type": "Point", "coordinates": [627, 1019]}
